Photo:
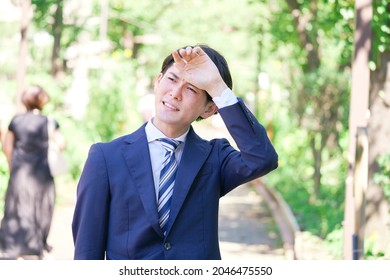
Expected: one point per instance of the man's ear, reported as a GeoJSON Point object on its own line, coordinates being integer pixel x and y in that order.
{"type": "Point", "coordinates": [158, 79]}
{"type": "Point", "coordinates": [211, 109]}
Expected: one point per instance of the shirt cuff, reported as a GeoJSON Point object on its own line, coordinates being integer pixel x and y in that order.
{"type": "Point", "coordinates": [227, 98]}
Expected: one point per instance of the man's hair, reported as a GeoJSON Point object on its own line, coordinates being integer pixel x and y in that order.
{"type": "Point", "coordinates": [215, 56]}
{"type": "Point", "coordinates": [33, 98]}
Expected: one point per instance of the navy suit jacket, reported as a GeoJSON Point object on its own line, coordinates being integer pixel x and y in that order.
{"type": "Point", "coordinates": [116, 212]}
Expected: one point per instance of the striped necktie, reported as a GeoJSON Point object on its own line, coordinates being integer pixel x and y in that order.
{"type": "Point", "coordinates": [167, 180]}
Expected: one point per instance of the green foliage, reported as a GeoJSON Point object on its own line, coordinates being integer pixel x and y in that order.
{"type": "Point", "coordinates": [328, 22]}
{"type": "Point", "coordinates": [129, 20]}
{"type": "Point", "coordinates": [338, 23]}
{"type": "Point", "coordinates": [43, 12]}
{"type": "Point", "coordinates": [382, 178]}
{"type": "Point", "coordinates": [381, 29]}
{"type": "Point", "coordinates": [316, 104]}
{"type": "Point", "coordinates": [112, 109]}
{"type": "Point", "coordinates": [335, 242]}
{"type": "Point", "coordinates": [371, 250]}
{"type": "Point", "coordinates": [4, 175]}
{"type": "Point", "coordinates": [8, 66]}
{"type": "Point", "coordinates": [78, 141]}
{"type": "Point", "coordinates": [293, 179]}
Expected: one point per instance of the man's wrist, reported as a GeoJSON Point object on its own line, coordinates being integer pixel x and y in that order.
{"type": "Point", "coordinates": [217, 88]}
{"type": "Point", "coordinates": [225, 98]}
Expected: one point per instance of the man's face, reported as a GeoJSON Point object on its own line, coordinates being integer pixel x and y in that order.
{"type": "Point", "coordinates": [178, 103]}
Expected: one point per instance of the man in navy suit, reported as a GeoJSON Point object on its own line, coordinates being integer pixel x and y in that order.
{"type": "Point", "coordinates": [117, 214]}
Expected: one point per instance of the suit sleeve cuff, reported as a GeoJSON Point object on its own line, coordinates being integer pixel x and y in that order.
{"type": "Point", "coordinates": [227, 98]}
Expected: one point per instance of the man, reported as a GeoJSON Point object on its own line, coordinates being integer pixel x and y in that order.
{"type": "Point", "coordinates": [125, 211]}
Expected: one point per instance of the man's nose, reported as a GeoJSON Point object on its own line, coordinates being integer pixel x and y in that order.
{"type": "Point", "coordinates": [176, 92]}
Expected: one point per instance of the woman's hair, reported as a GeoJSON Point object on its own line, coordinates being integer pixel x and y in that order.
{"type": "Point", "coordinates": [34, 97]}
{"type": "Point", "coordinates": [215, 56]}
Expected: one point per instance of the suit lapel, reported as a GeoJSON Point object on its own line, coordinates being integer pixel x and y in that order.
{"type": "Point", "coordinates": [136, 154]}
{"type": "Point", "coordinates": [194, 155]}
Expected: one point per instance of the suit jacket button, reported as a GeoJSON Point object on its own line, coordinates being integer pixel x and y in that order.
{"type": "Point", "coordinates": [167, 246]}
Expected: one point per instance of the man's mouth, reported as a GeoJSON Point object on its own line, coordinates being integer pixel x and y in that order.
{"type": "Point", "coordinates": [170, 106]}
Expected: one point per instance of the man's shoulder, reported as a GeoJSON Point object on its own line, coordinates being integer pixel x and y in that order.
{"type": "Point", "coordinates": [123, 139]}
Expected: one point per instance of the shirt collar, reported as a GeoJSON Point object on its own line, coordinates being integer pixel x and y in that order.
{"type": "Point", "coordinates": [153, 133]}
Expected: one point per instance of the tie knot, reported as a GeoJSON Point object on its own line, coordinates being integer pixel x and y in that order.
{"type": "Point", "coordinates": [169, 144]}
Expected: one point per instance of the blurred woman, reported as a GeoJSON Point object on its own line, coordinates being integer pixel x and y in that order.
{"type": "Point", "coordinates": [30, 196]}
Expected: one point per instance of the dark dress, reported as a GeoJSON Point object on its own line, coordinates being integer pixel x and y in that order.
{"type": "Point", "coordinates": [30, 196]}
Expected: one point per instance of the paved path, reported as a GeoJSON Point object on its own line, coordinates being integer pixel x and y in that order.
{"type": "Point", "coordinates": [247, 230]}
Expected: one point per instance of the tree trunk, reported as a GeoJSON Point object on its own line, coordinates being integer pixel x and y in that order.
{"type": "Point", "coordinates": [56, 61]}
{"type": "Point", "coordinates": [377, 209]}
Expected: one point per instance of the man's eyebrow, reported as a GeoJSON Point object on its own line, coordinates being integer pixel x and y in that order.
{"type": "Point", "coordinates": [174, 74]}
{"type": "Point", "coordinates": [177, 77]}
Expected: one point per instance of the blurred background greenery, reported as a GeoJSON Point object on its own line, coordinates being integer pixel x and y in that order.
{"type": "Point", "coordinates": [290, 61]}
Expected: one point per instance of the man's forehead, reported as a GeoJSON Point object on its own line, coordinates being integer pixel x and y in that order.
{"type": "Point", "coordinates": [173, 71]}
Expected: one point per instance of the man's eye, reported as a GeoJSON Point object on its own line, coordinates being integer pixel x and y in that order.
{"type": "Point", "coordinates": [191, 89]}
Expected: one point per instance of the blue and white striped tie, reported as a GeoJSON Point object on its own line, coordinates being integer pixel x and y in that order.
{"type": "Point", "coordinates": [167, 181]}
